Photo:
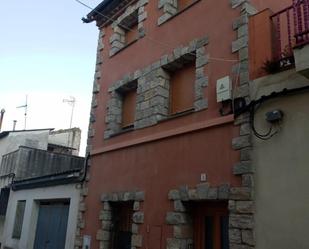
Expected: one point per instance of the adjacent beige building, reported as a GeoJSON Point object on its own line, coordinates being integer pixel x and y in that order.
{"type": "Point", "coordinates": [282, 163]}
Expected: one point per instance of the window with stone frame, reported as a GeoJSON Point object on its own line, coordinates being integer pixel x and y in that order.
{"type": "Point", "coordinates": [121, 108]}
{"type": "Point", "coordinates": [128, 27]}
{"type": "Point", "coordinates": [175, 79]}
{"type": "Point", "coordinates": [182, 83]}
{"type": "Point", "coordinates": [128, 95]}
{"type": "Point", "coordinates": [171, 7]}
{"type": "Point", "coordinates": [121, 232]}
{"type": "Point", "coordinates": [121, 216]}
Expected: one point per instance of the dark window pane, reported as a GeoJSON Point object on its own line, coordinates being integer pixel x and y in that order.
{"type": "Point", "coordinates": [224, 220]}
{"type": "Point", "coordinates": [209, 232]}
{"type": "Point", "coordinates": [4, 199]}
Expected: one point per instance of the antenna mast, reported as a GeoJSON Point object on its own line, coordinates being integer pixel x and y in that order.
{"type": "Point", "coordinates": [71, 101]}
{"type": "Point", "coordinates": [25, 106]}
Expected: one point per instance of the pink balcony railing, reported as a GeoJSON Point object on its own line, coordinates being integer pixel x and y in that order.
{"type": "Point", "coordinates": [291, 29]}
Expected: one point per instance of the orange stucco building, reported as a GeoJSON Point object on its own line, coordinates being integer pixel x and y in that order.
{"type": "Point", "coordinates": [170, 164]}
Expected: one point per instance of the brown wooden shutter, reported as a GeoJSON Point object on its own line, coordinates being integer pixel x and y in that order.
{"type": "Point", "coordinates": [184, 3]}
{"type": "Point", "coordinates": [128, 108]}
{"type": "Point", "coordinates": [132, 34]}
{"type": "Point", "coordinates": [182, 89]}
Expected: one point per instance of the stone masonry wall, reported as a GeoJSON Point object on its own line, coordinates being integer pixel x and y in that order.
{"type": "Point", "coordinates": [242, 210]}
{"type": "Point", "coordinates": [240, 199]}
{"type": "Point", "coordinates": [91, 132]}
{"type": "Point", "coordinates": [152, 103]}
{"type": "Point", "coordinates": [241, 219]}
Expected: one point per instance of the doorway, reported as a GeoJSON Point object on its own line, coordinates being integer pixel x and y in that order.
{"type": "Point", "coordinates": [52, 225]}
{"type": "Point", "coordinates": [211, 222]}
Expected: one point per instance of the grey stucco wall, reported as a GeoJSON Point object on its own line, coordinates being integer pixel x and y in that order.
{"type": "Point", "coordinates": [68, 137]}
{"type": "Point", "coordinates": [33, 139]}
{"type": "Point", "coordinates": [282, 167]}
{"type": "Point", "coordinates": [28, 163]}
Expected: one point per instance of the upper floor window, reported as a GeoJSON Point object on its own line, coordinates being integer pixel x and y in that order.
{"type": "Point", "coordinates": [171, 8]}
{"type": "Point", "coordinates": [128, 107]}
{"type": "Point", "coordinates": [182, 89]}
{"type": "Point", "coordinates": [128, 27]}
{"type": "Point", "coordinates": [172, 85]}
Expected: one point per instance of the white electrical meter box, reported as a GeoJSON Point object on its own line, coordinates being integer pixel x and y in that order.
{"type": "Point", "coordinates": [224, 89]}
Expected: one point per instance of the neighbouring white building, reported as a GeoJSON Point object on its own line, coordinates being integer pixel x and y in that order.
{"type": "Point", "coordinates": [40, 179]}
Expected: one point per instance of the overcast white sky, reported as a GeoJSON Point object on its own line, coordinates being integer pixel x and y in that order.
{"type": "Point", "coordinates": [47, 53]}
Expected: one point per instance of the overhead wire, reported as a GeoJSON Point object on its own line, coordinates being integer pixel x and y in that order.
{"type": "Point", "coordinates": [147, 36]}
{"type": "Point", "coordinates": [169, 46]}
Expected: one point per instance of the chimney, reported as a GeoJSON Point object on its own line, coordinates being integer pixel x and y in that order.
{"type": "Point", "coordinates": [1, 117]}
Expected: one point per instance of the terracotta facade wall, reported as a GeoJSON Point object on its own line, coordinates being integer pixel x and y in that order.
{"type": "Point", "coordinates": [171, 34]}
{"type": "Point", "coordinates": [176, 151]}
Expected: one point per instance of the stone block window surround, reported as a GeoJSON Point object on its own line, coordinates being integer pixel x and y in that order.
{"type": "Point", "coordinates": [117, 205]}
{"type": "Point", "coordinates": [171, 8]}
{"type": "Point", "coordinates": [128, 27]}
{"type": "Point", "coordinates": [153, 88]}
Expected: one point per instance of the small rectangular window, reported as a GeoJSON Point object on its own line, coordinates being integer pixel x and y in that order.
{"type": "Point", "coordinates": [182, 89]}
{"type": "Point", "coordinates": [4, 199]}
{"type": "Point", "coordinates": [130, 26]}
{"type": "Point", "coordinates": [182, 4]}
{"type": "Point", "coordinates": [128, 97]}
{"type": "Point", "coordinates": [19, 219]}
{"type": "Point", "coordinates": [128, 109]}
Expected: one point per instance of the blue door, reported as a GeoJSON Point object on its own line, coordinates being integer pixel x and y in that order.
{"type": "Point", "coordinates": [51, 226]}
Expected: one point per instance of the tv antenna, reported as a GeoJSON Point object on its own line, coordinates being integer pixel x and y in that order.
{"type": "Point", "coordinates": [25, 106]}
{"type": "Point", "coordinates": [71, 101]}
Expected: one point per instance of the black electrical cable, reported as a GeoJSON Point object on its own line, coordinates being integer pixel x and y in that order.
{"type": "Point", "coordinates": [255, 104]}
{"type": "Point", "coordinates": [284, 92]}
{"type": "Point", "coordinates": [265, 136]}
{"type": "Point", "coordinates": [252, 112]}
